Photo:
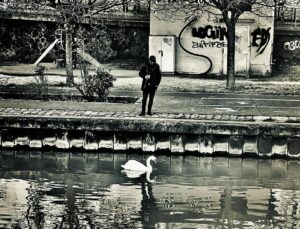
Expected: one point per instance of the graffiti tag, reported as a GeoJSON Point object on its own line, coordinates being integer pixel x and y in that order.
{"type": "Point", "coordinates": [213, 32]}
{"type": "Point", "coordinates": [292, 45]}
{"type": "Point", "coordinates": [261, 39]}
{"type": "Point", "coordinates": [193, 53]}
{"type": "Point", "coordinates": [203, 44]}
{"type": "Point", "coordinates": [168, 41]}
{"type": "Point", "coordinates": [238, 39]}
{"type": "Point", "coordinates": [238, 49]}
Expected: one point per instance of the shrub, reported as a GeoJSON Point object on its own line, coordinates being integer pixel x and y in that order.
{"type": "Point", "coordinates": [41, 81]}
{"type": "Point", "coordinates": [95, 87]}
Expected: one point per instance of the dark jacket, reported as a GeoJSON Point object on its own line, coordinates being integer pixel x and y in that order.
{"type": "Point", "coordinates": [155, 76]}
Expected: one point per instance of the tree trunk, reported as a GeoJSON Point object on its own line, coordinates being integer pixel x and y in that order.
{"type": "Point", "coordinates": [231, 57]}
{"type": "Point", "coordinates": [69, 57]}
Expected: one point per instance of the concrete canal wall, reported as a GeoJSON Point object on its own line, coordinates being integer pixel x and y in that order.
{"type": "Point", "coordinates": [176, 136]}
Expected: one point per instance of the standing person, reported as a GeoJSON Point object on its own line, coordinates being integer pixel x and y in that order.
{"type": "Point", "coordinates": [151, 78]}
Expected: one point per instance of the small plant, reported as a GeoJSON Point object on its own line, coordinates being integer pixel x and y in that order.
{"type": "Point", "coordinates": [41, 81]}
{"type": "Point", "coordinates": [95, 87]}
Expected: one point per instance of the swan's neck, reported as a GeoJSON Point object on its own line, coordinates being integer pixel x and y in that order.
{"type": "Point", "coordinates": [148, 177]}
{"type": "Point", "coordinates": [149, 166]}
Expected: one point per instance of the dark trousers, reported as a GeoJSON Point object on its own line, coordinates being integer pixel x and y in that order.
{"type": "Point", "coordinates": [148, 91]}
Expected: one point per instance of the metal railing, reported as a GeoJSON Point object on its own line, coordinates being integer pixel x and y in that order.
{"type": "Point", "coordinates": [138, 7]}
{"type": "Point", "coordinates": [287, 16]}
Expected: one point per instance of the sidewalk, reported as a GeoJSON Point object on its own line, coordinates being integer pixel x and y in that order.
{"type": "Point", "coordinates": [166, 106]}
{"type": "Point", "coordinates": [177, 97]}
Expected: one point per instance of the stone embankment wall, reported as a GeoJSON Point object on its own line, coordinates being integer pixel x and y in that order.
{"type": "Point", "coordinates": [152, 135]}
{"type": "Point", "coordinates": [25, 41]}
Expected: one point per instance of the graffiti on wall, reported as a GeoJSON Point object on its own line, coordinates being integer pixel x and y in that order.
{"type": "Point", "coordinates": [211, 44]}
{"type": "Point", "coordinates": [193, 53]}
{"type": "Point", "coordinates": [238, 41]}
{"type": "Point", "coordinates": [261, 39]}
{"type": "Point", "coordinates": [209, 31]}
{"type": "Point", "coordinates": [168, 41]}
{"type": "Point", "coordinates": [292, 45]}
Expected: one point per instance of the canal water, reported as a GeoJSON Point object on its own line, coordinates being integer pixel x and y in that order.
{"type": "Point", "coordinates": [75, 190]}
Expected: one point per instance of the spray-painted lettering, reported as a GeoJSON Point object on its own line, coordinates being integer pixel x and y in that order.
{"type": "Point", "coordinates": [292, 45]}
{"type": "Point", "coordinates": [238, 39]}
{"type": "Point", "coordinates": [212, 32]}
{"type": "Point", "coordinates": [212, 44]}
{"type": "Point", "coordinates": [261, 39]}
{"type": "Point", "coordinates": [168, 41]}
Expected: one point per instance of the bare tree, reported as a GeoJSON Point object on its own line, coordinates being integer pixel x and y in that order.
{"type": "Point", "coordinates": [74, 12]}
{"type": "Point", "coordinates": [70, 13]}
{"type": "Point", "coordinates": [230, 11]}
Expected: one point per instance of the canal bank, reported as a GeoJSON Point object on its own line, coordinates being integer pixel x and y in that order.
{"type": "Point", "coordinates": [183, 123]}
{"type": "Point", "coordinates": [191, 115]}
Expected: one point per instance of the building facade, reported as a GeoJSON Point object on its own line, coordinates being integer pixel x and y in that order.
{"type": "Point", "coordinates": [200, 46]}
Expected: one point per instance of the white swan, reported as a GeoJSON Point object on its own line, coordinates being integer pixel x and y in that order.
{"type": "Point", "coordinates": [134, 165]}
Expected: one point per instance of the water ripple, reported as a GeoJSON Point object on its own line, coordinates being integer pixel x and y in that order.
{"type": "Point", "coordinates": [190, 193]}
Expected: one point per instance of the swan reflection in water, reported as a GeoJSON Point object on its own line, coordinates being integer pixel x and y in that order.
{"type": "Point", "coordinates": [136, 170]}
{"type": "Point", "coordinates": [138, 174]}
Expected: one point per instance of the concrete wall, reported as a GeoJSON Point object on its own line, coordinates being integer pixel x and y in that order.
{"type": "Point", "coordinates": [25, 41]}
{"type": "Point", "coordinates": [254, 40]}
{"type": "Point", "coordinates": [203, 144]}
{"type": "Point", "coordinates": [287, 46]}
{"type": "Point", "coordinates": [180, 137]}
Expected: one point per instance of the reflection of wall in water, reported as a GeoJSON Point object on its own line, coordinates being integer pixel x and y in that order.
{"type": "Point", "coordinates": [194, 188]}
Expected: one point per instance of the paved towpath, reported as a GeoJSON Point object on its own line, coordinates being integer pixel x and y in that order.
{"type": "Point", "coordinates": [198, 106]}
{"type": "Point", "coordinates": [171, 101]}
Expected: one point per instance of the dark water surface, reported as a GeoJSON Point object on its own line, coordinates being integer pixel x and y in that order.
{"type": "Point", "coordinates": [62, 190]}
